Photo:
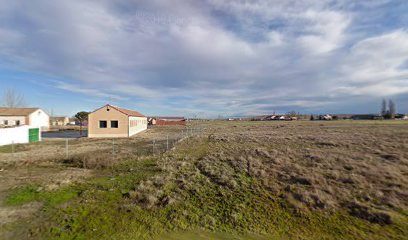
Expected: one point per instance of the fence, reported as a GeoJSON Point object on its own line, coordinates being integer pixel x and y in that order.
{"type": "Point", "coordinates": [157, 141]}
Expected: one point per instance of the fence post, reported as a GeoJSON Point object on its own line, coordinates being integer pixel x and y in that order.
{"type": "Point", "coordinates": [113, 150]}
{"type": "Point", "coordinates": [66, 148]}
{"type": "Point", "coordinates": [167, 142]}
{"type": "Point", "coordinates": [154, 142]}
{"type": "Point", "coordinates": [12, 147]}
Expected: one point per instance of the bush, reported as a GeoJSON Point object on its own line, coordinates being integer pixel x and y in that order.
{"type": "Point", "coordinates": [92, 160]}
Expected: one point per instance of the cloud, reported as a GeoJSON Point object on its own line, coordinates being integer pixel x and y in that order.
{"type": "Point", "coordinates": [86, 91]}
{"type": "Point", "coordinates": [213, 56]}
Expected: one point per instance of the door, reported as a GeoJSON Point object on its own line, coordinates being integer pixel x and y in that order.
{"type": "Point", "coordinates": [33, 135]}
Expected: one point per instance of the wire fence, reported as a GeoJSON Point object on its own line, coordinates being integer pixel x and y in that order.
{"type": "Point", "coordinates": [153, 142]}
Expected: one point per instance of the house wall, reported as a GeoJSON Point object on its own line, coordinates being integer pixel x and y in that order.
{"type": "Point", "coordinates": [137, 125]}
{"type": "Point", "coordinates": [14, 135]}
{"type": "Point", "coordinates": [59, 121]}
{"type": "Point", "coordinates": [94, 131]}
{"type": "Point", "coordinates": [12, 120]}
{"type": "Point", "coordinates": [39, 119]}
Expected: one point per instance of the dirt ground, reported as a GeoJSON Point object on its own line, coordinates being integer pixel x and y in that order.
{"type": "Point", "coordinates": [43, 163]}
{"type": "Point", "coordinates": [322, 165]}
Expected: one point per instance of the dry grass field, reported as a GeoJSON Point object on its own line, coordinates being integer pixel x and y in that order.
{"type": "Point", "coordinates": [242, 180]}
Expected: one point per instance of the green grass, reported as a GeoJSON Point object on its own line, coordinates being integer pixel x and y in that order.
{"type": "Point", "coordinates": [206, 235]}
{"type": "Point", "coordinates": [101, 208]}
{"type": "Point", "coordinates": [226, 213]}
{"type": "Point", "coordinates": [33, 193]}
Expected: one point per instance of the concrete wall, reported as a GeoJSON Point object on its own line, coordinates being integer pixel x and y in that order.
{"type": "Point", "coordinates": [137, 125]}
{"type": "Point", "coordinates": [108, 114]}
{"type": "Point", "coordinates": [39, 119]}
{"type": "Point", "coordinates": [14, 135]}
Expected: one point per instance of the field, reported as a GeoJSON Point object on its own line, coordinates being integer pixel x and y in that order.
{"type": "Point", "coordinates": [222, 180]}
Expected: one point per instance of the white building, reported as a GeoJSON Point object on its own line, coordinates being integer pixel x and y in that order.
{"type": "Point", "coordinates": [59, 121]}
{"type": "Point", "coordinates": [33, 117]}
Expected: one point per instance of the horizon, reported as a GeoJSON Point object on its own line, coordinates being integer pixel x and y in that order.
{"type": "Point", "coordinates": [206, 58]}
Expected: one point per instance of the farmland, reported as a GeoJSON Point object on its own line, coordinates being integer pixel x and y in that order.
{"type": "Point", "coordinates": [248, 180]}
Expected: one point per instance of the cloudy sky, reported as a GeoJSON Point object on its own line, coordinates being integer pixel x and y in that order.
{"type": "Point", "coordinates": [206, 58]}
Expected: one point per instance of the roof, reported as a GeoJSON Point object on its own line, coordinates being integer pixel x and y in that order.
{"type": "Point", "coordinates": [174, 118]}
{"type": "Point", "coordinates": [127, 112]}
{"type": "Point", "coordinates": [17, 111]}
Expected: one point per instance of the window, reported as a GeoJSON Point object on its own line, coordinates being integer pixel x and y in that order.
{"type": "Point", "coordinates": [114, 124]}
{"type": "Point", "coordinates": [18, 122]}
{"type": "Point", "coordinates": [6, 122]}
{"type": "Point", "coordinates": [103, 124]}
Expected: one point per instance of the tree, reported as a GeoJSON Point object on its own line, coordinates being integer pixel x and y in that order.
{"type": "Point", "coordinates": [384, 108]}
{"type": "Point", "coordinates": [291, 114]}
{"type": "Point", "coordinates": [13, 99]}
{"type": "Point", "coordinates": [81, 117]}
{"type": "Point", "coordinates": [391, 109]}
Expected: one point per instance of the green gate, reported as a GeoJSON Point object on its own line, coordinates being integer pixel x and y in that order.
{"type": "Point", "coordinates": [33, 135]}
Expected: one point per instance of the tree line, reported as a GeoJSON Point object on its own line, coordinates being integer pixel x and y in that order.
{"type": "Point", "coordinates": [388, 110]}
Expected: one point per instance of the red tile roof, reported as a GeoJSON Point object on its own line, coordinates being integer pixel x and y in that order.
{"type": "Point", "coordinates": [161, 117]}
{"type": "Point", "coordinates": [128, 112]}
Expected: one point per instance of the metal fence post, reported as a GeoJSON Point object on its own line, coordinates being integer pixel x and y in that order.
{"type": "Point", "coordinates": [113, 157]}
{"type": "Point", "coordinates": [154, 142]}
{"type": "Point", "coordinates": [167, 142]}
{"type": "Point", "coordinates": [66, 148]}
{"type": "Point", "coordinates": [113, 150]}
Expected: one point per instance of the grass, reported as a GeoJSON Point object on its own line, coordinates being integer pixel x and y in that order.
{"type": "Point", "coordinates": [34, 192]}
{"type": "Point", "coordinates": [234, 184]}
{"type": "Point", "coordinates": [13, 148]}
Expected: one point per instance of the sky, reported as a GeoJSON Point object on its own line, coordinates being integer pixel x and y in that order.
{"type": "Point", "coordinates": [206, 58]}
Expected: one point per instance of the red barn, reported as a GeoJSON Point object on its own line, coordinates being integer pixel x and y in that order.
{"type": "Point", "coordinates": [167, 121]}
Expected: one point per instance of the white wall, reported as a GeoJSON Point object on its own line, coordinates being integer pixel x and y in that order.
{"type": "Point", "coordinates": [14, 135]}
{"type": "Point", "coordinates": [12, 120]}
{"type": "Point", "coordinates": [137, 125]}
{"type": "Point", "coordinates": [40, 119]}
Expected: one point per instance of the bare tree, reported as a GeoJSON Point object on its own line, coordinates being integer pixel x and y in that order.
{"type": "Point", "coordinates": [392, 109]}
{"type": "Point", "coordinates": [384, 108]}
{"type": "Point", "coordinates": [13, 99]}
{"type": "Point", "coordinates": [291, 114]}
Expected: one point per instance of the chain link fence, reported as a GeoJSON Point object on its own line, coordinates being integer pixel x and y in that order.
{"type": "Point", "coordinates": [89, 152]}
